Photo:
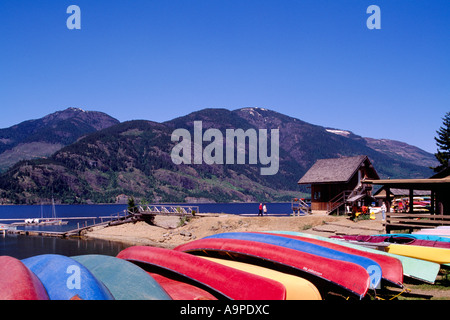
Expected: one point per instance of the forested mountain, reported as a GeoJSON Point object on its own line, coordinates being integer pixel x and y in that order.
{"type": "Point", "coordinates": [42, 137]}
{"type": "Point", "coordinates": [134, 158]}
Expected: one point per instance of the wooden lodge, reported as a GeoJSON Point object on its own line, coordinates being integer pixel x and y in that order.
{"type": "Point", "coordinates": [339, 183]}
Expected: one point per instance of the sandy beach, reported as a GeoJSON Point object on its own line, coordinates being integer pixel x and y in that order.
{"type": "Point", "coordinates": [170, 231]}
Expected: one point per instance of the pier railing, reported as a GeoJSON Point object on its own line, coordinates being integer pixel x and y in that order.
{"type": "Point", "coordinates": [165, 210]}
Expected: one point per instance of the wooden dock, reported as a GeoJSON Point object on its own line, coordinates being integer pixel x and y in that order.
{"type": "Point", "coordinates": [140, 213]}
{"type": "Point", "coordinates": [37, 233]}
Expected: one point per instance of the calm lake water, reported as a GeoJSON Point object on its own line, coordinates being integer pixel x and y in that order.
{"type": "Point", "coordinates": [22, 247]}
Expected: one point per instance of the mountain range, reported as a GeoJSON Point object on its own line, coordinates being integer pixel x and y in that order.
{"type": "Point", "coordinates": [43, 137]}
{"type": "Point", "coordinates": [90, 157]}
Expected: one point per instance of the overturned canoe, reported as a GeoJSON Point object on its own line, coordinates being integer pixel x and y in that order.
{"type": "Point", "coordinates": [296, 288]}
{"type": "Point", "coordinates": [225, 281]}
{"type": "Point", "coordinates": [179, 290]}
{"type": "Point", "coordinates": [66, 279]}
{"type": "Point", "coordinates": [414, 268]}
{"type": "Point", "coordinates": [17, 282]}
{"type": "Point", "coordinates": [372, 267]}
{"type": "Point", "coordinates": [428, 237]}
{"type": "Point", "coordinates": [391, 268]}
{"type": "Point", "coordinates": [432, 254]}
{"type": "Point", "coordinates": [322, 272]}
{"type": "Point", "coordinates": [124, 280]}
{"type": "Point", "coordinates": [405, 239]}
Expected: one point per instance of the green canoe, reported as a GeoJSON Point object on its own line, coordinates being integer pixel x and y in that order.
{"type": "Point", "coordinates": [124, 280]}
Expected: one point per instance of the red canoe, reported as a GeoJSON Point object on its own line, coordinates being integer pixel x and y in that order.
{"type": "Point", "coordinates": [392, 269]}
{"type": "Point", "coordinates": [179, 290]}
{"type": "Point", "coordinates": [17, 282]}
{"type": "Point", "coordinates": [226, 281]}
{"type": "Point", "coordinates": [349, 276]}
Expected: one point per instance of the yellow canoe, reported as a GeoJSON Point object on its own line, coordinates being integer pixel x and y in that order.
{"type": "Point", "coordinates": [296, 288]}
{"type": "Point", "coordinates": [433, 254]}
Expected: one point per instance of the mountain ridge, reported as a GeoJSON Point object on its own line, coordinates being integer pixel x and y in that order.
{"type": "Point", "coordinates": [42, 137]}
{"type": "Point", "coordinates": [134, 158]}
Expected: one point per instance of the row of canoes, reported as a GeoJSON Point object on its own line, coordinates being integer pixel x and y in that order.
{"type": "Point", "coordinates": [273, 265]}
{"type": "Point", "coordinates": [431, 248]}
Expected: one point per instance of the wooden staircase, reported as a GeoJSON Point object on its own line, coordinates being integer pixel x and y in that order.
{"type": "Point", "coordinates": [338, 202]}
{"type": "Point", "coordinates": [341, 199]}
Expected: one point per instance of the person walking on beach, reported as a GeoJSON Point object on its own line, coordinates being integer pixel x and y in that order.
{"type": "Point", "coordinates": [264, 209]}
{"type": "Point", "coordinates": [260, 209]}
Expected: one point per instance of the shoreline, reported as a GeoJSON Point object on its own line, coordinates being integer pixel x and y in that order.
{"type": "Point", "coordinates": [168, 232]}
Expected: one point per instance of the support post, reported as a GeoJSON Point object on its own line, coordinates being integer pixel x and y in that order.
{"type": "Point", "coordinates": [411, 200]}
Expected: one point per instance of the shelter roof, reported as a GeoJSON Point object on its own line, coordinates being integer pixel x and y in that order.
{"type": "Point", "coordinates": [337, 170]}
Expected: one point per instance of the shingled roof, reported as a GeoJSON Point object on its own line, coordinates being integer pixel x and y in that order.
{"type": "Point", "coordinates": [337, 170]}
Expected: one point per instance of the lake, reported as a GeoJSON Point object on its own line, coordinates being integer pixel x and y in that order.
{"type": "Point", "coordinates": [20, 246]}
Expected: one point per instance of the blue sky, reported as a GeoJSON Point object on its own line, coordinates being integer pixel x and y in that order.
{"type": "Point", "coordinates": [158, 59]}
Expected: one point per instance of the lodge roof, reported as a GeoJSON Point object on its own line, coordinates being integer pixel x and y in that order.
{"type": "Point", "coordinates": [336, 170]}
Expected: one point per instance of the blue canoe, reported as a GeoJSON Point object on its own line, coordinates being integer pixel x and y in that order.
{"type": "Point", "coordinates": [125, 280]}
{"type": "Point", "coordinates": [414, 268]}
{"type": "Point", "coordinates": [66, 279]}
{"type": "Point", "coordinates": [372, 267]}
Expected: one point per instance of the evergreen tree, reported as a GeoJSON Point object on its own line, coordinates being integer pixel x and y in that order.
{"type": "Point", "coordinates": [132, 206]}
{"type": "Point", "coordinates": [443, 143]}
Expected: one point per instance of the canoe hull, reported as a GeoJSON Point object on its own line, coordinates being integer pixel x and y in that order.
{"type": "Point", "coordinates": [414, 268]}
{"type": "Point", "coordinates": [179, 290]}
{"type": "Point", "coordinates": [228, 282]}
{"type": "Point", "coordinates": [419, 237]}
{"type": "Point", "coordinates": [296, 288]}
{"type": "Point", "coordinates": [432, 254]}
{"type": "Point", "coordinates": [66, 279]}
{"type": "Point", "coordinates": [397, 239]}
{"type": "Point", "coordinates": [372, 267]}
{"type": "Point", "coordinates": [124, 280]}
{"type": "Point", "coordinates": [391, 268]}
{"type": "Point", "coordinates": [17, 282]}
{"type": "Point", "coordinates": [351, 278]}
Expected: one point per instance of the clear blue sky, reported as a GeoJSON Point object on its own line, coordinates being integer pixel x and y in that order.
{"type": "Point", "coordinates": [158, 59]}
